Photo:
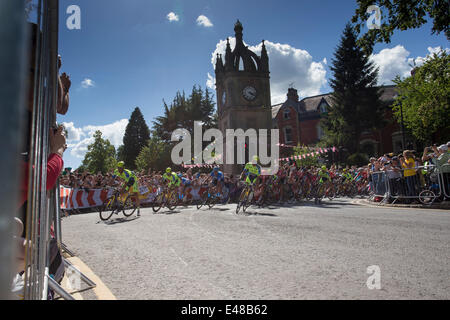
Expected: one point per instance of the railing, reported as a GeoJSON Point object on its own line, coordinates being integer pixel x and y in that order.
{"type": "Point", "coordinates": [423, 183]}
{"type": "Point", "coordinates": [12, 44]}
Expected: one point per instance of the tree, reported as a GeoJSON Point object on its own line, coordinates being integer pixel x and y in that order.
{"type": "Point", "coordinates": [424, 99]}
{"type": "Point", "coordinates": [183, 112]}
{"type": "Point", "coordinates": [308, 161]}
{"type": "Point", "coordinates": [356, 103]}
{"type": "Point", "coordinates": [136, 136]}
{"type": "Point", "coordinates": [401, 15]}
{"type": "Point", "coordinates": [100, 156]}
{"type": "Point", "coordinates": [155, 155]}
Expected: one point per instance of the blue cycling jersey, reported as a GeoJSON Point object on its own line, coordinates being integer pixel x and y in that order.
{"type": "Point", "coordinates": [185, 181]}
{"type": "Point", "coordinates": [219, 175]}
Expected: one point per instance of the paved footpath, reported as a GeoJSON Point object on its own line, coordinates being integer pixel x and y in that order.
{"type": "Point", "coordinates": [295, 252]}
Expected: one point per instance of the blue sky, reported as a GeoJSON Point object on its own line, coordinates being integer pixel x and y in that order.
{"type": "Point", "coordinates": [129, 53]}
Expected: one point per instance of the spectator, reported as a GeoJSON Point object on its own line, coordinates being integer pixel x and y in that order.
{"type": "Point", "coordinates": [409, 173]}
{"type": "Point", "coordinates": [443, 167]}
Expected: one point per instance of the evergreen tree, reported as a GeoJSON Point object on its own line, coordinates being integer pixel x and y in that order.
{"type": "Point", "coordinates": [136, 136]}
{"type": "Point", "coordinates": [182, 113]}
{"type": "Point", "coordinates": [356, 99]}
{"type": "Point", "coordinates": [100, 156]}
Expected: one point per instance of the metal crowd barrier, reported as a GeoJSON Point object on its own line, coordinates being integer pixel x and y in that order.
{"type": "Point", "coordinates": [426, 185]}
{"type": "Point", "coordinates": [12, 89]}
{"type": "Point", "coordinates": [43, 208]}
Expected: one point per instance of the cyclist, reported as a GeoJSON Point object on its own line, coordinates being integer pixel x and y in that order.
{"type": "Point", "coordinates": [324, 175]}
{"type": "Point", "coordinates": [130, 185]}
{"type": "Point", "coordinates": [218, 179]}
{"type": "Point", "coordinates": [185, 186]}
{"type": "Point", "coordinates": [172, 178]}
{"type": "Point", "coordinates": [252, 171]}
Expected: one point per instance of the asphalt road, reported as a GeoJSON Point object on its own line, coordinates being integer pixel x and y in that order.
{"type": "Point", "coordinates": [296, 252]}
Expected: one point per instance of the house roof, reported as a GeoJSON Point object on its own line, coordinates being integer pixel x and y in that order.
{"type": "Point", "coordinates": [275, 109]}
{"type": "Point", "coordinates": [311, 104]}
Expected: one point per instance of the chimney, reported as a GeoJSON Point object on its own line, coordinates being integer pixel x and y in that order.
{"type": "Point", "coordinates": [292, 94]}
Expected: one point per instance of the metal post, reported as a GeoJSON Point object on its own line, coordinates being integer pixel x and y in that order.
{"type": "Point", "coordinates": [58, 289]}
{"type": "Point", "coordinates": [12, 66]}
{"type": "Point", "coordinates": [403, 128]}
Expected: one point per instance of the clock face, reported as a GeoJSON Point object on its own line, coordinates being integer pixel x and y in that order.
{"type": "Point", "coordinates": [249, 93]}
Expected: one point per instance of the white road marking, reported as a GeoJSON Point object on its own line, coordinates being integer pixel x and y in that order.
{"type": "Point", "coordinates": [178, 256]}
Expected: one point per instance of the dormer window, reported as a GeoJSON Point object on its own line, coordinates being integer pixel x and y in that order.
{"type": "Point", "coordinates": [323, 107]}
{"type": "Point", "coordinates": [286, 114]}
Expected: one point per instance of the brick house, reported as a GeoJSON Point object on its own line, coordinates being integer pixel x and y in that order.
{"type": "Point", "coordinates": [298, 122]}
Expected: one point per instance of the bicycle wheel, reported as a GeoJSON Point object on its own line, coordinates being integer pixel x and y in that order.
{"type": "Point", "coordinates": [128, 207]}
{"type": "Point", "coordinates": [172, 201]}
{"type": "Point", "coordinates": [212, 201]}
{"type": "Point", "coordinates": [248, 201]}
{"type": "Point", "coordinates": [427, 197]}
{"type": "Point", "coordinates": [241, 200]}
{"type": "Point", "coordinates": [158, 203]}
{"type": "Point", "coordinates": [202, 200]}
{"type": "Point", "coordinates": [108, 209]}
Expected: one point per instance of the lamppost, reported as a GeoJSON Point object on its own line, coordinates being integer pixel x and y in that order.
{"type": "Point", "coordinates": [402, 124]}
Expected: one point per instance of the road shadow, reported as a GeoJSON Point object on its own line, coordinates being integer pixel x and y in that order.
{"type": "Point", "coordinates": [168, 212]}
{"type": "Point", "coordinates": [119, 220]}
{"type": "Point", "coordinates": [255, 213]}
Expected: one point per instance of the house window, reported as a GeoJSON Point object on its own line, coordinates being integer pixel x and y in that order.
{"type": "Point", "coordinates": [323, 108]}
{"type": "Point", "coordinates": [286, 114]}
{"type": "Point", "coordinates": [288, 135]}
{"type": "Point", "coordinates": [319, 132]}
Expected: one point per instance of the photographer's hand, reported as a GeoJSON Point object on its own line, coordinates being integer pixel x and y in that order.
{"type": "Point", "coordinates": [58, 141]}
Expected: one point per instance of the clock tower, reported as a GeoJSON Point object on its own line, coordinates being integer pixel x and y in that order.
{"type": "Point", "coordinates": [243, 92]}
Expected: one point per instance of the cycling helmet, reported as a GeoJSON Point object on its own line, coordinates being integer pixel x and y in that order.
{"type": "Point", "coordinates": [324, 167]}
{"type": "Point", "coordinates": [180, 175]}
{"type": "Point", "coordinates": [168, 170]}
{"type": "Point", "coordinates": [255, 158]}
{"type": "Point", "coordinates": [216, 169]}
{"type": "Point", "coordinates": [121, 164]}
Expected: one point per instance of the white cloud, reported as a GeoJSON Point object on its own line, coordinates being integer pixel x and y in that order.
{"type": "Point", "coordinates": [80, 138]}
{"type": "Point", "coordinates": [87, 83]}
{"type": "Point", "coordinates": [204, 21]}
{"type": "Point", "coordinates": [395, 61]}
{"type": "Point", "coordinates": [287, 65]}
{"type": "Point", "coordinates": [173, 17]}
{"type": "Point", "coordinates": [73, 134]}
{"type": "Point", "coordinates": [211, 82]}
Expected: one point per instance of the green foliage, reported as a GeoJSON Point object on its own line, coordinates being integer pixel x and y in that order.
{"type": "Point", "coordinates": [101, 155]}
{"type": "Point", "coordinates": [400, 15]}
{"type": "Point", "coordinates": [425, 99]}
{"type": "Point", "coordinates": [308, 161]}
{"type": "Point", "coordinates": [358, 159]}
{"type": "Point", "coordinates": [136, 136]}
{"type": "Point", "coordinates": [356, 105]}
{"type": "Point", "coordinates": [155, 155]}
{"type": "Point", "coordinates": [182, 114]}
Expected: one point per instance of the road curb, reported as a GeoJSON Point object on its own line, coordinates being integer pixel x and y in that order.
{"type": "Point", "coordinates": [443, 205]}
{"type": "Point", "coordinates": [101, 290]}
